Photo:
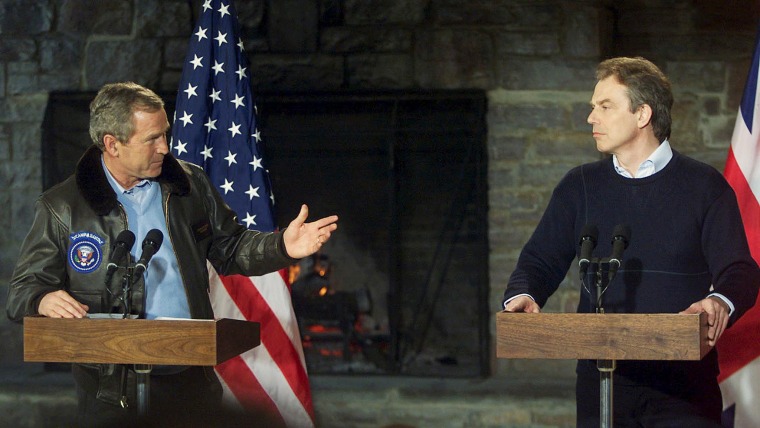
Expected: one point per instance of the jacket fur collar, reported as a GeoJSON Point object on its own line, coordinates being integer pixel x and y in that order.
{"type": "Point", "coordinates": [94, 187]}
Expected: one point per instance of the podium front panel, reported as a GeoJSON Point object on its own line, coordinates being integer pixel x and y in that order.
{"type": "Point", "coordinates": [136, 341]}
{"type": "Point", "coordinates": [601, 336]}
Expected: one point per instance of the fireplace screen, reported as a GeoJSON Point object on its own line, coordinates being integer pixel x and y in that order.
{"type": "Point", "coordinates": [402, 286]}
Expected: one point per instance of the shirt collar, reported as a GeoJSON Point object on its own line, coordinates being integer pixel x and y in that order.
{"type": "Point", "coordinates": [145, 183]}
{"type": "Point", "coordinates": [652, 165]}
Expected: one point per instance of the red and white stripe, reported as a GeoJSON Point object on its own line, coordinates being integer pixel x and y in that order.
{"type": "Point", "coordinates": [271, 377]}
{"type": "Point", "coordinates": [739, 347]}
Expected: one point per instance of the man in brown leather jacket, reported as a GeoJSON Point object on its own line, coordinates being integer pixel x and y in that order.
{"type": "Point", "coordinates": [61, 269]}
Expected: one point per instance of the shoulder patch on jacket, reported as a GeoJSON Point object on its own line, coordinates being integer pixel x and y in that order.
{"type": "Point", "coordinates": [85, 251]}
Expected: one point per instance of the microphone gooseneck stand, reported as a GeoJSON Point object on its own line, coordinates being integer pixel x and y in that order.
{"type": "Point", "coordinates": [604, 272]}
{"type": "Point", "coordinates": [142, 371]}
{"type": "Point", "coordinates": [606, 367]}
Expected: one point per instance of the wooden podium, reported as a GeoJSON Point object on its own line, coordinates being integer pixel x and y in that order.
{"type": "Point", "coordinates": [139, 342]}
{"type": "Point", "coordinates": [602, 337]}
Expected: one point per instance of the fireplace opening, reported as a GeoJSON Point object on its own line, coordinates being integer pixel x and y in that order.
{"type": "Point", "coordinates": [402, 286]}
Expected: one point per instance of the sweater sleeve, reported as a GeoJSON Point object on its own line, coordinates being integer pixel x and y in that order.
{"type": "Point", "coordinates": [546, 257]}
{"type": "Point", "coordinates": [735, 273]}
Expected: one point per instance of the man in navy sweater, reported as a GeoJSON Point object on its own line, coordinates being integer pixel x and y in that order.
{"type": "Point", "coordinates": [687, 251]}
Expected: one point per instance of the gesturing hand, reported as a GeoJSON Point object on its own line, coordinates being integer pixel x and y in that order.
{"type": "Point", "coordinates": [303, 239]}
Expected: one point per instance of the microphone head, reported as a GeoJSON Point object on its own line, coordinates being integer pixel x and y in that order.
{"type": "Point", "coordinates": [622, 232]}
{"type": "Point", "coordinates": [126, 238]}
{"type": "Point", "coordinates": [589, 233]}
{"type": "Point", "coordinates": [153, 238]}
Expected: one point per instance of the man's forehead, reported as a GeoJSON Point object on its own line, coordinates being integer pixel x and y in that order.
{"type": "Point", "coordinates": [609, 90]}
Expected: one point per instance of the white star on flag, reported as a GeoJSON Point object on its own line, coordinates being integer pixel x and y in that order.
{"type": "Point", "coordinates": [210, 124]}
{"type": "Point", "coordinates": [181, 148]}
{"type": "Point", "coordinates": [221, 38]}
{"type": "Point", "coordinates": [241, 72]}
{"type": "Point", "coordinates": [251, 192]}
{"type": "Point", "coordinates": [227, 186]}
{"type": "Point", "coordinates": [230, 158]}
{"type": "Point", "coordinates": [201, 33]}
{"type": "Point", "coordinates": [190, 91]}
{"type": "Point", "coordinates": [238, 101]}
{"type": "Point", "coordinates": [196, 62]}
{"type": "Point", "coordinates": [218, 68]}
{"type": "Point", "coordinates": [214, 95]}
{"type": "Point", "coordinates": [250, 220]}
{"type": "Point", "coordinates": [234, 129]}
{"type": "Point", "coordinates": [256, 163]}
{"type": "Point", "coordinates": [186, 119]}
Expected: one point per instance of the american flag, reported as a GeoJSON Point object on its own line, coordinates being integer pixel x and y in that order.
{"type": "Point", "coordinates": [215, 127]}
{"type": "Point", "coordinates": [739, 346]}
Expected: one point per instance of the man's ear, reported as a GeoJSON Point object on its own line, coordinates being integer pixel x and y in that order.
{"type": "Point", "coordinates": [110, 143]}
{"type": "Point", "coordinates": [644, 117]}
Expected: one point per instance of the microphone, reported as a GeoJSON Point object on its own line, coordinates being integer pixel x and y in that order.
{"type": "Point", "coordinates": [587, 243]}
{"type": "Point", "coordinates": [620, 237]}
{"type": "Point", "coordinates": [150, 246]}
{"type": "Point", "coordinates": [123, 245]}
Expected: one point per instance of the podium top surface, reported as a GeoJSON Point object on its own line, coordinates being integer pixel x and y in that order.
{"type": "Point", "coordinates": [601, 336]}
{"type": "Point", "coordinates": [137, 341]}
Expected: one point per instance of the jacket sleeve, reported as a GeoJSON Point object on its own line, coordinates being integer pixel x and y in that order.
{"type": "Point", "coordinates": [41, 266]}
{"type": "Point", "coordinates": [235, 249]}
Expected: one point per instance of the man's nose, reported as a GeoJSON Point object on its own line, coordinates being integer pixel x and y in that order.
{"type": "Point", "coordinates": [163, 146]}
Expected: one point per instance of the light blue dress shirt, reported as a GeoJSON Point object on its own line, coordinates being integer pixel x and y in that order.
{"type": "Point", "coordinates": [165, 292]}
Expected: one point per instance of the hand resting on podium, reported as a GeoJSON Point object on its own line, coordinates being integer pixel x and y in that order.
{"type": "Point", "coordinates": [717, 313]}
{"type": "Point", "coordinates": [717, 316]}
{"type": "Point", "coordinates": [522, 304]}
{"type": "Point", "coordinates": [60, 304]}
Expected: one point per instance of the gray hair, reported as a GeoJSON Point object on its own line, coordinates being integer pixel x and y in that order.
{"type": "Point", "coordinates": [646, 84]}
{"type": "Point", "coordinates": [112, 108]}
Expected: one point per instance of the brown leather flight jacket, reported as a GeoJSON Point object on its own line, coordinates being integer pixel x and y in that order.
{"type": "Point", "coordinates": [200, 226]}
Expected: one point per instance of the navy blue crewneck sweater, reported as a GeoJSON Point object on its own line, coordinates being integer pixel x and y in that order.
{"type": "Point", "coordinates": [686, 235]}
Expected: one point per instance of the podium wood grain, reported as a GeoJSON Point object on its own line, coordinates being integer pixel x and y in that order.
{"type": "Point", "coordinates": [137, 341]}
{"type": "Point", "coordinates": [601, 336]}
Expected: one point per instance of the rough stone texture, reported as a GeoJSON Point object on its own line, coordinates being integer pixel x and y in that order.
{"type": "Point", "coordinates": [112, 17]}
{"type": "Point", "coordinates": [534, 59]}
{"type": "Point", "coordinates": [509, 14]}
{"type": "Point", "coordinates": [293, 26]}
{"type": "Point", "coordinates": [162, 18]}
{"type": "Point", "coordinates": [17, 49]}
{"type": "Point", "coordinates": [454, 58]}
{"type": "Point", "coordinates": [366, 39]}
{"type": "Point", "coordinates": [554, 73]}
{"type": "Point", "coordinates": [384, 11]}
{"type": "Point", "coordinates": [21, 17]}
{"type": "Point", "coordinates": [112, 61]}
{"type": "Point", "coordinates": [380, 71]}
{"type": "Point", "coordinates": [290, 72]}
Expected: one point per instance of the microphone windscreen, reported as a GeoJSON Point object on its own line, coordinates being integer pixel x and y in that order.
{"type": "Point", "coordinates": [622, 232]}
{"type": "Point", "coordinates": [590, 232]}
{"type": "Point", "coordinates": [125, 238]}
{"type": "Point", "coordinates": [154, 238]}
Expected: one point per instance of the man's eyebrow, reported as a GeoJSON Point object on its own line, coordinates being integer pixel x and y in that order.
{"type": "Point", "coordinates": [600, 102]}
